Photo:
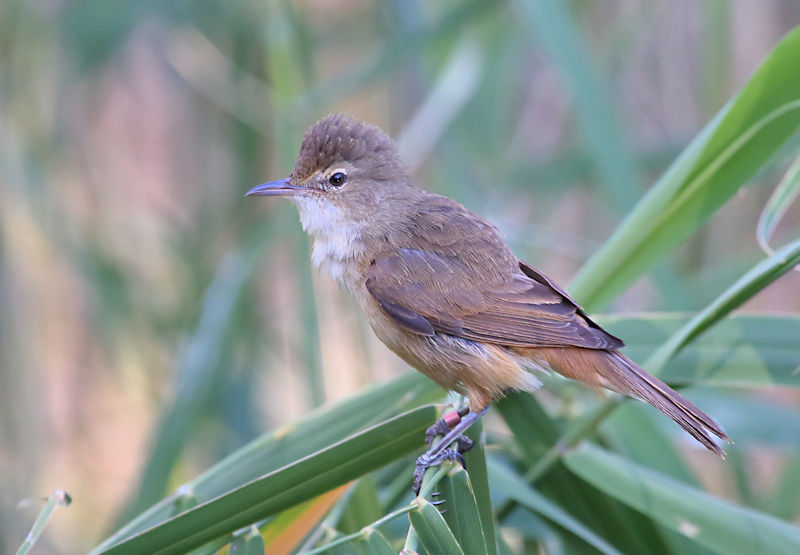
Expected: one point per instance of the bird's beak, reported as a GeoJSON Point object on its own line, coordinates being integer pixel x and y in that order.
{"type": "Point", "coordinates": [279, 188]}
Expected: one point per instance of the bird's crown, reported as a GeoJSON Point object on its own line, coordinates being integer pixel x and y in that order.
{"type": "Point", "coordinates": [342, 138]}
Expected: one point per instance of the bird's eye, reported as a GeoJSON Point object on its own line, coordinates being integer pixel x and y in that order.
{"type": "Point", "coordinates": [337, 179]}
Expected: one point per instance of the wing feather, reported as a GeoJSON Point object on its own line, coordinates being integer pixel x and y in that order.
{"type": "Point", "coordinates": [428, 292]}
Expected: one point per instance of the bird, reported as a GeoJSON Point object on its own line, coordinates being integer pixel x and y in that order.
{"type": "Point", "coordinates": [442, 290]}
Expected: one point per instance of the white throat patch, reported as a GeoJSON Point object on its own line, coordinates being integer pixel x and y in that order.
{"type": "Point", "coordinates": [336, 239]}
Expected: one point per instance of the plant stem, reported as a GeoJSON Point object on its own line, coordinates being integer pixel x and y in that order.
{"type": "Point", "coordinates": [58, 497]}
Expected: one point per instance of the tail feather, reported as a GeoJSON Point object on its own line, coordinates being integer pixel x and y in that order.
{"type": "Point", "coordinates": [626, 376]}
{"type": "Point", "coordinates": [613, 370]}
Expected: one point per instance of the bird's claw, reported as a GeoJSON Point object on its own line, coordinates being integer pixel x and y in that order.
{"type": "Point", "coordinates": [464, 443]}
{"type": "Point", "coordinates": [425, 461]}
{"type": "Point", "coordinates": [441, 428]}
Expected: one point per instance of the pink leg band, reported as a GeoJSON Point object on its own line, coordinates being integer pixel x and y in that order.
{"type": "Point", "coordinates": [452, 418]}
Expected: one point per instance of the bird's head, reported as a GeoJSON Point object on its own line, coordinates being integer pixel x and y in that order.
{"type": "Point", "coordinates": [348, 173]}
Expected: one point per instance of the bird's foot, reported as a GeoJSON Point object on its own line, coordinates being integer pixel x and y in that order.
{"type": "Point", "coordinates": [440, 428]}
{"type": "Point", "coordinates": [452, 426]}
{"type": "Point", "coordinates": [425, 461]}
{"type": "Point", "coordinates": [443, 426]}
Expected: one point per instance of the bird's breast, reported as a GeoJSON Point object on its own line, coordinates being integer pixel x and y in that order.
{"type": "Point", "coordinates": [336, 255]}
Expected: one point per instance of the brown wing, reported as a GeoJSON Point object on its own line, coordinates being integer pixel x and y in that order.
{"type": "Point", "coordinates": [428, 292]}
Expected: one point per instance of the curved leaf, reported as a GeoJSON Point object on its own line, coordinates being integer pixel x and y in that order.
{"type": "Point", "coordinates": [372, 543]}
{"type": "Point", "coordinates": [432, 530]}
{"type": "Point", "coordinates": [288, 486]}
{"type": "Point", "coordinates": [479, 481]}
{"type": "Point", "coordinates": [759, 277]}
{"type": "Point", "coordinates": [744, 350]}
{"type": "Point", "coordinates": [461, 511]}
{"type": "Point", "coordinates": [270, 452]}
{"type": "Point", "coordinates": [714, 523]}
{"type": "Point", "coordinates": [732, 147]}
{"type": "Point", "coordinates": [515, 488]}
{"type": "Point", "coordinates": [783, 196]}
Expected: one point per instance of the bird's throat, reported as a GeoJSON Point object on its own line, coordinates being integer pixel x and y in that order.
{"type": "Point", "coordinates": [338, 240]}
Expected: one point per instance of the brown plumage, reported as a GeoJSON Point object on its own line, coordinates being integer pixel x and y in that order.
{"type": "Point", "coordinates": [442, 290]}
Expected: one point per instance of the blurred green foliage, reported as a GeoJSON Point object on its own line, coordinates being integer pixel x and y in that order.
{"type": "Point", "coordinates": [154, 321]}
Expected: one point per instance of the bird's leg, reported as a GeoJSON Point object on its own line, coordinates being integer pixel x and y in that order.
{"type": "Point", "coordinates": [443, 426]}
{"type": "Point", "coordinates": [456, 424]}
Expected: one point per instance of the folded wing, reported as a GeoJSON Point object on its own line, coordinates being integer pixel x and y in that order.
{"type": "Point", "coordinates": [428, 292]}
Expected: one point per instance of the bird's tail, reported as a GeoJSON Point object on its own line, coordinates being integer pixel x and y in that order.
{"type": "Point", "coordinates": [613, 370]}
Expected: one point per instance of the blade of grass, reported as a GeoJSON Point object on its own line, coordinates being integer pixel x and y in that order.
{"type": "Point", "coordinates": [279, 448]}
{"type": "Point", "coordinates": [743, 350]}
{"type": "Point", "coordinates": [738, 466]}
{"type": "Point", "coordinates": [719, 525]}
{"type": "Point", "coordinates": [513, 486]}
{"type": "Point", "coordinates": [740, 139]}
{"type": "Point", "coordinates": [58, 497]}
{"type": "Point", "coordinates": [755, 280]}
{"type": "Point", "coordinates": [777, 205]}
{"type": "Point", "coordinates": [372, 543]}
{"type": "Point", "coordinates": [362, 508]}
{"type": "Point", "coordinates": [195, 372]}
{"type": "Point", "coordinates": [759, 277]}
{"type": "Point", "coordinates": [534, 433]}
{"type": "Point", "coordinates": [432, 530]}
{"type": "Point", "coordinates": [479, 481]}
{"type": "Point", "coordinates": [461, 511]}
{"type": "Point", "coordinates": [283, 488]}
{"type": "Point", "coordinates": [646, 437]}
{"type": "Point", "coordinates": [636, 432]}
{"type": "Point", "coordinates": [785, 501]}
{"type": "Point", "coordinates": [431, 481]}
{"type": "Point", "coordinates": [454, 87]}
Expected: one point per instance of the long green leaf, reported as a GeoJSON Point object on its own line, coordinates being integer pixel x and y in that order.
{"type": "Point", "coordinates": [733, 146]}
{"type": "Point", "coordinates": [762, 274]}
{"type": "Point", "coordinates": [362, 507]}
{"type": "Point", "coordinates": [717, 524]}
{"type": "Point", "coordinates": [196, 371]}
{"type": "Point", "coordinates": [513, 486]}
{"type": "Point", "coordinates": [432, 530]}
{"type": "Point", "coordinates": [283, 488]}
{"type": "Point", "coordinates": [323, 427]}
{"type": "Point", "coordinates": [636, 431]}
{"type": "Point", "coordinates": [744, 350]}
{"type": "Point", "coordinates": [783, 196]}
{"type": "Point", "coordinates": [372, 543]}
{"type": "Point", "coordinates": [755, 280]}
{"type": "Point", "coordinates": [461, 511]}
{"type": "Point", "coordinates": [479, 481]}
{"type": "Point", "coordinates": [537, 435]}
{"type": "Point", "coordinates": [759, 277]}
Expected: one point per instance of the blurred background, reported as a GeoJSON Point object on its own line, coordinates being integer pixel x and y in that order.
{"type": "Point", "coordinates": [153, 319]}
